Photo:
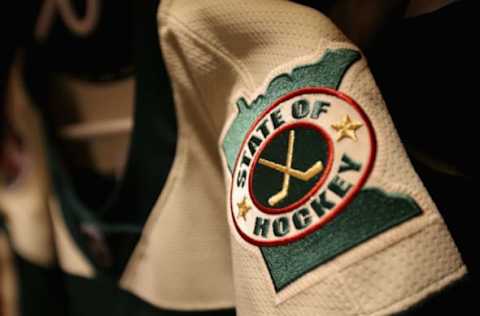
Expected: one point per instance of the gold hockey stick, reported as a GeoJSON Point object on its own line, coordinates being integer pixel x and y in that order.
{"type": "Point", "coordinates": [289, 171]}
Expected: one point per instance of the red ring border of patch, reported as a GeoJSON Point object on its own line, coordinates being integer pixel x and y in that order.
{"type": "Point", "coordinates": [345, 202]}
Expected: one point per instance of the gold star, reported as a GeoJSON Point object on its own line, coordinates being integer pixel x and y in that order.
{"type": "Point", "coordinates": [243, 208]}
{"type": "Point", "coordinates": [346, 128]}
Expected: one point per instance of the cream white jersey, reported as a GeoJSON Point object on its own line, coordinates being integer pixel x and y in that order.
{"type": "Point", "coordinates": [289, 193]}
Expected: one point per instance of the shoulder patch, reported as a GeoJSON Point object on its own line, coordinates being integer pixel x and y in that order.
{"type": "Point", "coordinates": [300, 155]}
{"type": "Point", "coordinates": [300, 164]}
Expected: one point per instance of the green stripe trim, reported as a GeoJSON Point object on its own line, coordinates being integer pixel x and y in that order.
{"type": "Point", "coordinates": [102, 296]}
{"type": "Point", "coordinates": [369, 214]}
{"type": "Point", "coordinates": [50, 291]}
{"type": "Point", "coordinates": [40, 289]}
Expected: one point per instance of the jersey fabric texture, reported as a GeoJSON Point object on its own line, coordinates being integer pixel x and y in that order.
{"type": "Point", "coordinates": [265, 177]}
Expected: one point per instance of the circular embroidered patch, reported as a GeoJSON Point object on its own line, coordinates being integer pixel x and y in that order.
{"type": "Point", "coordinates": [300, 164]}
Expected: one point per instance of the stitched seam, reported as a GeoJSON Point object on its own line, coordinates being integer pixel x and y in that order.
{"type": "Point", "coordinates": [419, 291]}
{"type": "Point", "coordinates": [435, 221]}
{"type": "Point", "coordinates": [188, 33]}
{"type": "Point", "coordinates": [211, 122]}
{"type": "Point", "coordinates": [234, 62]}
{"type": "Point", "coordinates": [340, 278]}
{"type": "Point", "coordinates": [181, 155]}
{"type": "Point", "coordinates": [349, 295]}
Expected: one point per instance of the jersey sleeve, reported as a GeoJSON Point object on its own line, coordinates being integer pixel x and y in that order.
{"type": "Point", "coordinates": [326, 213]}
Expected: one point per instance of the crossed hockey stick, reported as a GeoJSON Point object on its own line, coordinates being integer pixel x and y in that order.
{"type": "Point", "coordinates": [288, 171]}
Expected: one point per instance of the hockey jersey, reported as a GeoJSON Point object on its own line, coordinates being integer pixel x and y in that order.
{"type": "Point", "coordinates": [281, 188]}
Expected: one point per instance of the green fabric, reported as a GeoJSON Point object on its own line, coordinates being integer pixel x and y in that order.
{"type": "Point", "coordinates": [370, 213]}
{"type": "Point", "coordinates": [108, 234]}
{"type": "Point", "coordinates": [100, 297]}
{"type": "Point", "coordinates": [50, 292]}
{"type": "Point", "coordinates": [3, 226]}
{"type": "Point", "coordinates": [40, 289]}
{"type": "Point", "coordinates": [327, 72]}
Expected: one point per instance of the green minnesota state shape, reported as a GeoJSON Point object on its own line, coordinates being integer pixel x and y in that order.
{"type": "Point", "coordinates": [327, 72]}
